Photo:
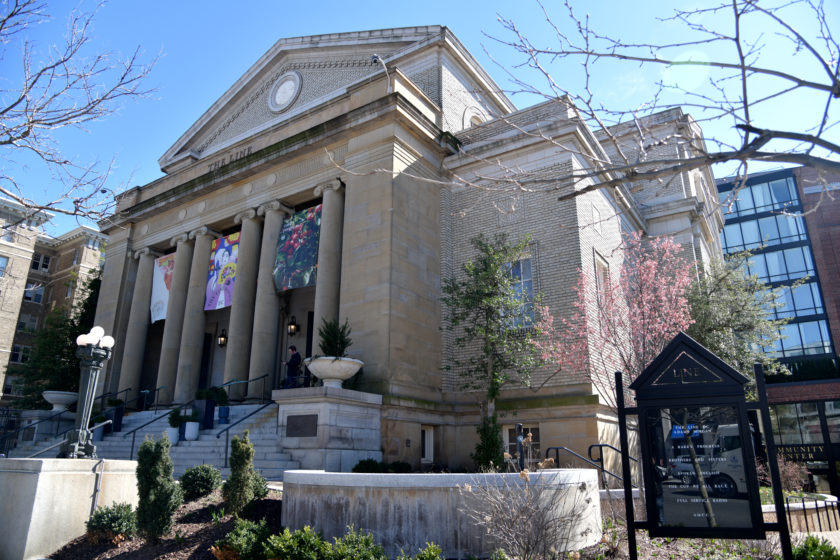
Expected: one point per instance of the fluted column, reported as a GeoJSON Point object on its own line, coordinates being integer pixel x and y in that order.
{"type": "Point", "coordinates": [138, 323]}
{"type": "Point", "coordinates": [267, 307]}
{"type": "Point", "coordinates": [329, 252]}
{"type": "Point", "coordinates": [192, 335]}
{"type": "Point", "coordinates": [174, 317]}
{"type": "Point", "coordinates": [242, 308]}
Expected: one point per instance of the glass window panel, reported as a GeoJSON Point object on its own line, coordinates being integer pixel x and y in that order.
{"type": "Point", "coordinates": [812, 340]}
{"type": "Point", "coordinates": [745, 202]}
{"type": "Point", "coordinates": [758, 266]}
{"type": "Point", "coordinates": [809, 263]}
{"type": "Point", "coordinates": [761, 196]}
{"type": "Point", "coordinates": [775, 266]}
{"type": "Point", "coordinates": [787, 305]}
{"type": "Point", "coordinates": [724, 201]}
{"type": "Point", "coordinates": [786, 423]}
{"type": "Point", "coordinates": [749, 232]}
{"type": "Point", "coordinates": [769, 230]}
{"type": "Point", "coordinates": [832, 415]}
{"type": "Point", "coordinates": [733, 236]}
{"type": "Point", "coordinates": [790, 228]}
{"type": "Point", "coordinates": [723, 242]}
{"type": "Point", "coordinates": [803, 299]}
{"type": "Point", "coordinates": [780, 193]}
{"type": "Point", "coordinates": [809, 423]}
{"type": "Point", "coordinates": [795, 262]}
{"type": "Point", "coordinates": [791, 340]}
{"type": "Point", "coordinates": [815, 294]}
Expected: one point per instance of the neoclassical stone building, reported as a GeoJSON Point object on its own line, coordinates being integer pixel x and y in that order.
{"type": "Point", "coordinates": [375, 156]}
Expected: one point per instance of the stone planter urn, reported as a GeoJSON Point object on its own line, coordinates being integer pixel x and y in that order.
{"type": "Point", "coordinates": [332, 371]}
{"type": "Point", "coordinates": [60, 399]}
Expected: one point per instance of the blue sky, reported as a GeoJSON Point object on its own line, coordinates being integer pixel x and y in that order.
{"type": "Point", "coordinates": [204, 47]}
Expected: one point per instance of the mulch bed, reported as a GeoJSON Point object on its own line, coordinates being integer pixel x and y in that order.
{"type": "Point", "coordinates": [194, 532]}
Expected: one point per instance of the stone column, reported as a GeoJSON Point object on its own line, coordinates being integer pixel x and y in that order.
{"type": "Point", "coordinates": [329, 252]}
{"type": "Point", "coordinates": [242, 308]}
{"type": "Point", "coordinates": [267, 308]}
{"type": "Point", "coordinates": [138, 323]}
{"type": "Point", "coordinates": [174, 317]}
{"type": "Point", "coordinates": [192, 335]}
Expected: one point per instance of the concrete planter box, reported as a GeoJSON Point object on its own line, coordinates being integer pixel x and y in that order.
{"type": "Point", "coordinates": [404, 511]}
{"type": "Point", "coordinates": [46, 502]}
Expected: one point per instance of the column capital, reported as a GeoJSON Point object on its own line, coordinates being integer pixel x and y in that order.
{"type": "Point", "coordinates": [248, 214]}
{"type": "Point", "coordinates": [146, 251]}
{"type": "Point", "coordinates": [334, 185]}
{"type": "Point", "coordinates": [267, 207]}
{"type": "Point", "coordinates": [204, 230]}
{"type": "Point", "coordinates": [180, 238]}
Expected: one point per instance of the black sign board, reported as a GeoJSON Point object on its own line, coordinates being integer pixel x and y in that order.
{"type": "Point", "coordinates": [697, 451]}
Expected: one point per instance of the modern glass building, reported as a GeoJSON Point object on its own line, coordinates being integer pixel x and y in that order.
{"type": "Point", "coordinates": [764, 216]}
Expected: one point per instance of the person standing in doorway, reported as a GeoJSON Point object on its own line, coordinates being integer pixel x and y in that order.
{"type": "Point", "coordinates": [292, 367]}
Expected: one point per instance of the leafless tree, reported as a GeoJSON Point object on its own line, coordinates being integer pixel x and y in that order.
{"type": "Point", "coordinates": [759, 59]}
{"type": "Point", "coordinates": [64, 85]}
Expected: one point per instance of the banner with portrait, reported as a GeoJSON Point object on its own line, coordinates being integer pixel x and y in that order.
{"type": "Point", "coordinates": [296, 265]}
{"type": "Point", "coordinates": [161, 284]}
{"type": "Point", "coordinates": [222, 274]}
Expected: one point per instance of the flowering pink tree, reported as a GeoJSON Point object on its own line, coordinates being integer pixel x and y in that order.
{"type": "Point", "coordinates": [622, 321]}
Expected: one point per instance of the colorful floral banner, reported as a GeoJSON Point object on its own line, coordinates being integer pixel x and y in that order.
{"type": "Point", "coordinates": [222, 275]}
{"type": "Point", "coordinates": [297, 250]}
{"type": "Point", "coordinates": [161, 283]}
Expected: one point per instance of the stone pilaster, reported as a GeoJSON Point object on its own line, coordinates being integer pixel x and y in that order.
{"type": "Point", "coordinates": [174, 323]}
{"type": "Point", "coordinates": [138, 323]}
{"type": "Point", "coordinates": [265, 334]}
{"type": "Point", "coordinates": [329, 252]}
{"type": "Point", "coordinates": [192, 335]}
{"type": "Point", "coordinates": [242, 308]}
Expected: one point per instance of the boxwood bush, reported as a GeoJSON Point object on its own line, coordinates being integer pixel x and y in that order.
{"type": "Point", "coordinates": [200, 480]}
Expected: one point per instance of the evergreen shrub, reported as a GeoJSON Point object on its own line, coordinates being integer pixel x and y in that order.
{"type": "Point", "coordinates": [159, 495]}
{"type": "Point", "coordinates": [200, 480]}
{"type": "Point", "coordinates": [238, 490]}
{"type": "Point", "coordinates": [114, 523]}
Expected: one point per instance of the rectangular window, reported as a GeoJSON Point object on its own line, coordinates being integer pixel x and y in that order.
{"type": "Point", "coordinates": [33, 292]}
{"type": "Point", "coordinates": [532, 449]}
{"type": "Point", "coordinates": [36, 261]}
{"type": "Point", "coordinates": [523, 287]}
{"type": "Point", "coordinates": [69, 292]}
{"type": "Point", "coordinates": [45, 262]}
{"type": "Point", "coordinates": [19, 354]}
{"type": "Point", "coordinates": [427, 444]}
{"type": "Point", "coordinates": [4, 262]}
{"type": "Point", "coordinates": [27, 323]}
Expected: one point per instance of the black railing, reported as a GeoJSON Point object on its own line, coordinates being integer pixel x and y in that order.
{"type": "Point", "coordinates": [9, 424]}
{"type": "Point", "coordinates": [56, 444]}
{"type": "Point", "coordinates": [832, 516]}
{"type": "Point", "coordinates": [12, 436]}
{"type": "Point", "coordinates": [229, 384]}
{"type": "Point", "coordinates": [133, 433]}
{"type": "Point", "coordinates": [596, 464]}
{"type": "Point", "coordinates": [600, 458]}
{"type": "Point", "coordinates": [226, 431]}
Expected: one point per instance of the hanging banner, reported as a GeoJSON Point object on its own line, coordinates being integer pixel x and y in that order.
{"type": "Point", "coordinates": [161, 283]}
{"type": "Point", "coordinates": [222, 274]}
{"type": "Point", "coordinates": [296, 265]}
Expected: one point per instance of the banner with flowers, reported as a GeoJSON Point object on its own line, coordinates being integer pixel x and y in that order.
{"type": "Point", "coordinates": [222, 275]}
{"type": "Point", "coordinates": [296, 265]}
{"type": "Point", "coordinates": [161, 284]}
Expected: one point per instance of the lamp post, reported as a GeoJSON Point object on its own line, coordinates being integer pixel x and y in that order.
{"type": "Point", "coordinates": [93, 349]}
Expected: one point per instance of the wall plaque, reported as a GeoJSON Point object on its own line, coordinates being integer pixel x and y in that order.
{"type": "Point", "coordinates": [302, 425]}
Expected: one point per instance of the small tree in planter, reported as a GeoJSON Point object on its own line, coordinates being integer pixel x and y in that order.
{"type": "Point", "coordinates": [173, 431]}
{"type": "Point", "coordinates": [333, 367]}
{"type": "Point", "coordinates": [220, 396]}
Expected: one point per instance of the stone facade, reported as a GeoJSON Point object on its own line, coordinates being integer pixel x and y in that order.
{"type": "Point", "coordinates": [408, 164]}
{"type": "Point", "coordinates": [40, 273]}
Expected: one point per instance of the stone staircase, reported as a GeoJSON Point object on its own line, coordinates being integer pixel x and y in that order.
{"type": "Point", "coordinates": [269, 458]}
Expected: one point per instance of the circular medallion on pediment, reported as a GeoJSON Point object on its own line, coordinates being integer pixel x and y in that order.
{"type": "Point", "coordinates": [284, 92]}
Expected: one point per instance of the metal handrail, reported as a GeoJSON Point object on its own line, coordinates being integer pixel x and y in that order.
{"type": "Point", "coordinates": [133, 432]}
{"type": "Point", "coordinates": [229, 384]}
{"type": "Point", "coordinates": [16, 432]}
{"type": "Point", "coordinates": [226, 431]}
{"type": "Point", "coordinates": [600, 458]}
{"type": "Point", "coordinates": [600, 466]}
{"type": "Point", "coordinates": [53, 446]}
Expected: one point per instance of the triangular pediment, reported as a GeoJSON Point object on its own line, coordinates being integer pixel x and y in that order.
{"type": "Point", "coordinates": [687, 368]}
{"type": "Point", "coordinates": [293, 76]}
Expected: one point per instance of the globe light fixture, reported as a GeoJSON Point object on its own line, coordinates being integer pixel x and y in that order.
{"type": "Point", "coordinates": [93, 349]}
